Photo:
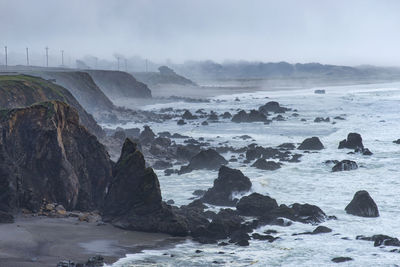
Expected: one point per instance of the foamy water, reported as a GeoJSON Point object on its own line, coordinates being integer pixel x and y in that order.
{"type": "Point", "coordinates": [371, 110]}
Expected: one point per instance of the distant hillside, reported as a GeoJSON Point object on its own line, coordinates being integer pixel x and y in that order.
{"type": "Point", "coordinates": [82, 86]}
{"type": "Point", "coordinates": [163, 77]}
{"type": "Point", "coordinates": [117, 84]}
{"type": "Point", "coordinates": [209, 70]}
{"type": "Point", "coordinates": [23, 90]}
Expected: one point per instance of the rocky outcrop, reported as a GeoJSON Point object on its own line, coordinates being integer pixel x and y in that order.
{"type": "Point", "coordinates": [134, 197]}
{"type": "Point", "coordinates": [256, 205]}
{"type": "Point", "coordinates": [207, 159]}
{"type": "Point", "coordinates": [228, 181]}
{"type": "Point", "coordinates": [252, 116]}
{"type": "Point", "coordinates": [353, 141]}
{"type": "Point", "coordinates": [119, 84]}
{"type": "Point", "coordinates": [262, 164]}
{"type": "Point", "coordinates": [312, 143]}
{"type": "Point", "coordinates": [345, 165]}
{"type": "Point", "coordinates": [272, 106]}
{"type": "Point", "coordinates": [23, 90]}
{"type": "Point", "coordinates": [165, 76]}
{"type": "Point", "coordinates": [362, 205]}
{"type": "Point", "coordinates": [46, 154]}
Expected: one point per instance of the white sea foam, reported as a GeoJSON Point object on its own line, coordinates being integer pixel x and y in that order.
{"type": "Point", "coordinates": [371, 110]}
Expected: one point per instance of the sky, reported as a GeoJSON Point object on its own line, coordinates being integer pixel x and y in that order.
{"type": "Point", "coordinates": [339, 32]}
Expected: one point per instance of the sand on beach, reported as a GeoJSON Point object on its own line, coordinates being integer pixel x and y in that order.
{"type": "Point", "coordinates": [43, 241]}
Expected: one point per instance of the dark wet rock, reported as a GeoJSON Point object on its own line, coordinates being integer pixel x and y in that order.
{"type": "Point", "coordinates": [345, 165]}
{"type": "Point", "coordinates": [339, 118]}
{"type": "Point", "coordinates": [381, 240]}
{"type": "Point", "coordinates": [319, 91]}
{"type": "Point", "coordinates": [287, 146]}
{"type": "Point", "coordinates": [213, 116]}
{"type": "Point", "coordinates": [256, 205]}
{"type": "Point", "coordinates": [319, 230]}
{"type": "Point", "coordinates": [278, 118]}
{"type": "Point", "coordinates": [262, 164]}
{"type": "Point", "coordinates": [312, 143]}
{"type": "Point", "coordinates": [295, 158]}
{"type": "Point", "coordinates": [321, 119]}
{"type": "Point", "coordinates": [162, 141]}
{"type": "Point", "coordinates": [245, 137]}
{"type": "Point", "coordinates": [147, 136]}
{"type": "Point", "coordinates": [134, 199]}
{"type": "Point", "coordinates": [353, 141]}
{"type": "Point", "coordinates": [364, 151]}
{"type": "Point", "coordinates": [303, 120]}
{"type": "Point", "coordinates": [6, 217]}
{"type": "Point", "coordinates": [362, 205]}
{"type": "Point", "coordinates": [252, 116]}
{"type": "Point", "coordinates": [179, 136]}
{"type": "Point", "coordinates": [341, 259]}
{"type": "Point", "coordinates": [207, 159]}
{"type": "Point", "coordinates": [181, 122]}
{"type": "Point", "coordinates": [397, 141]}
{"type": "Point", "coordinates": [272, 106]}
{"type": "Point", "coordinates": [170, 202]}
{"type": "Point", "coordinates": [239, 236]}
{"type": "Point", "coordinates": [184, 170]}
{"type": "Point", "coordinates": [228, 181]}
{"type": "Point", "coordinates": [188, 116]}
{"type": "Point", "coordinates": [268, 238]}
{"type": "Point", "coordinates": [226, 115]}
{"type": "Point", "coordinates": [161, 165]}
{"type": "Point", "coordinates": [165, 134]}
{"type": "Point", "coordinates": [168, 172]}
{"type": "Point", "coordinates": [304, 213]}
{"type": "Point", "coordinates": [201, 111]}
{"type": "Point", "coordinates": [253, 154]}
{"type": "Point", "coordinates": [204, 123]}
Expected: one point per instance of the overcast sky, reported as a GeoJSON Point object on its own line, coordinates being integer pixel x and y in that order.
{"type": "Point", "coordinates": [347, 32]}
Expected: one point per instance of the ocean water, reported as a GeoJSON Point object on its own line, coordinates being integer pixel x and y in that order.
{"type": "Point", "coordinates": [371, 110]}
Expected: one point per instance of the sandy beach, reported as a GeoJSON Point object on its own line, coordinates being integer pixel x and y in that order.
{"type": "Point", "coordinates": [43, 241]}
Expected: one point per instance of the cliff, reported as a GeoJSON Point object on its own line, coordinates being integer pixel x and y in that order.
{"type": "Point", "coordinates": [117, 84]}
{"type": "Point", "coordinates": [46, 154]}
{"type": "Point", "coordinates": [22, 90]}
{"type": "Point", "coordinates": [165, 76]}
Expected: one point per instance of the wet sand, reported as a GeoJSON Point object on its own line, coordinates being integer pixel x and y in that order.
{"type": "Point", "coordinates": [42, 241]}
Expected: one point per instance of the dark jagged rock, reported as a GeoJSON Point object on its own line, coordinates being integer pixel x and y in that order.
{"type": "Point", "coordinates": [397, 141]}
{"type": "Point", "coordinates": [345, 165]}
{"type": "Point", "coordinates": [252, 154]}
{"type": "Point", "coordinates": [341, 259]}
{"type": "Point", "coordinates": [256, 205]}
{"type": "Point", "coordinates": [226, 115]}
{"type": "Point", "coordinates": [228, 181]}
{"type": "Point", "coordinates": [204, 123]}
{"type": "Point", "coordinates": [312, 143]}
{"type": "Point", "coordinates": [147, 135]}
{"type": "Point", "coordinates": [252, 116]}
{"type": "Point", "coordinates": [46, 153]}
{"type": "Point", "coordinates": [187, 152]}
{"type": "Point", "coordinates": [262, 164]}
{"type": "Point", "coordinates": [134, 197]}
{"type": "Point", "coordinates": [353, 141]}
{"type": "Point", "coordinates": [288, 146]}
{"type": "Point", "coordinates": [362, 205]}
{"type": "Point", "coordinates": [319, 230]}
{"type": "Point", "coordinates": [321, 119]}
{"type": "Point", "coordinates": [207, 159]}
{"type": "Point", "coordinates": [272, 106]}
{"type": "Point", "coordinates": [181, 122]}
{"type": "Point", "coordinates": [268, 238]}
{"type": "Point", "coordinates": [188, 116]}
{"type": "Point", "coordinates": [304, 213]}
{"type": "Point", "coordinates": [380, 240]}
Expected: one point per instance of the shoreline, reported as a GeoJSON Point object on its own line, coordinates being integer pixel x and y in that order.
{"type": "Point", "coordinates": [42, 241]}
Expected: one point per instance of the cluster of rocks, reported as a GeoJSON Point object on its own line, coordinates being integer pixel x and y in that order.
{"type": "Point", "coordinates": [96, 261]}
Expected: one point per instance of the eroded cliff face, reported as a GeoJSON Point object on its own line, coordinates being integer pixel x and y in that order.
{"type": "Point", "coordinates": [46, 154]}
{"type": "Point", "coordinates": [23, 90]}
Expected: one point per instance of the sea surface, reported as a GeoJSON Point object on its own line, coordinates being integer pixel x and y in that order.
{"type": "Point", "coordinates": [371, 110]}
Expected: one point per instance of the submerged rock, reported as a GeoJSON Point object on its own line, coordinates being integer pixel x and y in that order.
{"type": "Point", "coordinates": [228, 181]}
{"type": "Point", "coordinates": [353, 141]}
{"type": "Point", "coordinates": [312, 143]}
{"type": "Point", "coordinates": [362, 205]}
{"type": "Point", "coordinates": [341, 259]}
{"type": "Point", "coordinates": [345, 165]}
